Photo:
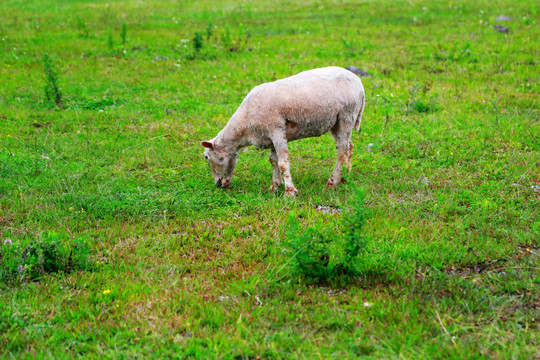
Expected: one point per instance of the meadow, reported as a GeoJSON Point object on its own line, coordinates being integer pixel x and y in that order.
{"type": "Point", "coordinates": [103, 105]}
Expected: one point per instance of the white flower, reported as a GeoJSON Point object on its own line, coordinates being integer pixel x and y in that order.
{"type": "Point", "coordinates": [8, 242]}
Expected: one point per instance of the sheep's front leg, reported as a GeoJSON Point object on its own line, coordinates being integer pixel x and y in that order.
{"type": "Point", "coordinates": [276, 180]}
{"type": "Point", "coordinates": [282, 152]}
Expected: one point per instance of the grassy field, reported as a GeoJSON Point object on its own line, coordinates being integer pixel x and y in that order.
{"type": "Point", "coordinates": [164, 265]}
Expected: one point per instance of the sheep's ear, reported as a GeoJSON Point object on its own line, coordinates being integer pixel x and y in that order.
{"type": "Point", "coordinates": [207, 144]}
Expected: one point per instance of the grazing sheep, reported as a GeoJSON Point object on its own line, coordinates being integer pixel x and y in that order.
{"type": "Point", "coordinates": [308, 104]}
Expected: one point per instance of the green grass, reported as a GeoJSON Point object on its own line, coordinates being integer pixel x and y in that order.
{"type": "Point", "coordinates": [449, 156]}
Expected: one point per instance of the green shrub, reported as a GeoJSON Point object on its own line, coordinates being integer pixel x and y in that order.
{"type": "Point", "coordinates": [123, 33]}
{"type": "Point", "coordinates": [321, 252]}
{"type": "Point", "coordinates": [209, 31]}
{"type": "Point", "coordinates": [197, 42]}
{"type": "Point", "coordinates": [83, 29]}
{"type": "Point", "coordinates": [226, 39]}
{"type": "Point", "coordinates": [110, 41]}
{"type": "Point", "coordinates": [52, 91]}
{"type": "Point", "coordinates": [419, 102]}
{"type": "Point", "coordinates": [48, 255]}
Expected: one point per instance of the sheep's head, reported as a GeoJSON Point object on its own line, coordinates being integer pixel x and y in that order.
{"type": "Point", "coordinates": [222, 163]}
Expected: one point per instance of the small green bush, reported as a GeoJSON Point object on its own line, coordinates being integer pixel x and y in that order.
{"type": "Point", "coordinates": [198, 42]}
{"type": "Point", "coordinates": [83, 29]}
{"type": "Point", "coordinates": [419, 102]}
{"type": "Point", "coordinates": [322, 253]}
{"type": "Point", "coordinates": [226, 39]}
{"type": "Point", "coordinates": [48, 255]}
{"type": "Point", "coordinates": [209, 31]}
{"type": "Point", "coordinates": [123, 33]}
{"type": "Point", "coordinates": [110, 41]}
{"type": "Point", "coordinates": [52, 91]}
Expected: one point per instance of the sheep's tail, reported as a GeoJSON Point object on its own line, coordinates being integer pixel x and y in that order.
{"type": "Point", "coordinates": [359, 118]}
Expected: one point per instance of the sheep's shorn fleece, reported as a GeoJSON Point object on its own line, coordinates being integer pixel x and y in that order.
{"type": "Point", "coordinates": [308, 104]}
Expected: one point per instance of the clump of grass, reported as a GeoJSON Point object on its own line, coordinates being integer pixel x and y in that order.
{"type": "Point", "coordinates": [420, 102]}
{"type": "Point", "coordinates": [52, 91]}
{"type": "Point", "coordinates": [209, 31]}
{"type": "Point", "coordinates": [49, 254]}
{"type": "Point", "coordinates": [110, 41]}
{"type": "Point", "coordinates": [386, 103]}
{"type": "Point", "coordinates": [198, 42]}
{"type": "Point", "coordinates": [351, 48]}
{"type": "Point", "coordinates": [226, 39]}
{"type": "Point", "coordinates": [235, 43]}
{"type": "Point", "coordinates": [123, 33]}
{"type": "Point", "coordinates": [322, 253]}
{"type": "Point", "coordinates": [83, 29]}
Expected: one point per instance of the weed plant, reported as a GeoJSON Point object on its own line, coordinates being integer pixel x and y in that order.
{"type": "Point", "coordinates": [419, 101]}
{"type": "Point", "coordinates": [83, 29]}
{"type": "Point", "coordinates": [226, 39]}
{"type": "Point", "coordinates": [323, 253]}
{"type": "Point", "coordinates": [110, 41]}
{"type": "Point", "coordinates": [123, 33]}
{"type": "Point", "coordinates": [198, 42]}
{"type": "Point", "coordinates": [52, 91]}
{"type": "Point", "coordinates": [49, 254]}
{"type": "Point", "coordinates": [209, 31]}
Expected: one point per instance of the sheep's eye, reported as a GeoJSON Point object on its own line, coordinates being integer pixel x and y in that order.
{"type": "Point", "coordinates": [220, 159]}
{"type": "Point", "coordinates": [206, 157]}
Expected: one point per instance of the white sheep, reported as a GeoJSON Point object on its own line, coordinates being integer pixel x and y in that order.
{"type": "Point", "coordinates": [305, 105]}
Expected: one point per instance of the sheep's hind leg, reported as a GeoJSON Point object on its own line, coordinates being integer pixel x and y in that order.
{"type": "Point", "coordinates": [282, 152]}
{"type": "Point", "coordinates": [344, 146]}
{"type": "Point", "coordinates": [276, 178]}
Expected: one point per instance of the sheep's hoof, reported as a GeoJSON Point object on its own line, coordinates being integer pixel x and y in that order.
{"type": "Point", "coordinates": [332, 183]}
{"type": "Point", "coordinates": [291, 191]}
{"type": "Point", "coordinates": [274, 187]}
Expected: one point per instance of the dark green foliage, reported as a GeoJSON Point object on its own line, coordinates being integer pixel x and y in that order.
{"type": "Point", "coordinates": [323, 253]}
{"type": "Point", "coordinates": [49, 254]}
{"type": "Point", "coordinates": [123, 33]}
{"type": "Point", "coordinates": [92, 104]}
{"type": "Point", "coordinates": [349, 48]}
{"type": "Point", "coordinates": [83, 29]}
{"type": "Point", "coordinates": [198, 42]}
{"type": "Point", "coordinates": [209, 31]}
{"type": "Point", "coordinates": [226, 39]}
{"type": "Point", "coordinates": [235, 42]}
{"type": "Point", "coordinates": [52, 91]}
{"type": "Point", "coordinates": [355, 240]}
{"type": "Point", "coordinates": [110, 41]}
{"type": "Point", "coordinates": [420, 102]}
{"type": "Point", "coordinates": [387, 105]}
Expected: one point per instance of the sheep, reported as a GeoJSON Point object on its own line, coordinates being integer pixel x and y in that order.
{"type": "Point", "coordinates": [308, 104]}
